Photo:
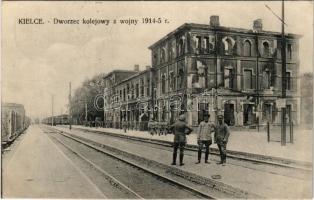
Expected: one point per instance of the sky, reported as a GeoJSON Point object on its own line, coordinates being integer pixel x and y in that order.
{"type": "Point", "coordinates": [39, 61]}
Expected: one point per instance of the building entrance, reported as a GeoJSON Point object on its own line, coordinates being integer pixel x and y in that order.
{"type": "Point", "coordinates": [229, 114]}
{"type": "Point", "coordinates": [248, 115]}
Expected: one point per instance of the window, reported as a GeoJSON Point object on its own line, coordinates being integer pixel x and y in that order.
{"type": "Point", "coordinates": [132, 91]}
{"type": "Point", "coordinates": [170, 51]}
{"type": "Point", "coordinates": [247, 76]}
{"type": "Point", "coordinates": [163, 55]}
{"type": "Point", "coordinates": [120, 94]}
{"type": "Point", "coordinates": [198, 44]}
{"type": "Point", "coordinates": [206, 44]}
{"type": "Point", "coordinates": [155, 56]}
{"type": "Point", "coordinates": [247, 48]}
{"type": "Point", "coordinates": [228, 77]}
{"type": "Point", "coordinates": [142, 87]}
{"type": "Point", "coordinates": [137, 89]}
{"type": "Point", "coordinates": [181, 47]}
{"type": "Point", "coordinates": [289, 51]}
{"type": "Point", "coordinates": [266, 50]}
{"type": "Point", "coordinates": [228, 46]}
{"type": "Point", "coordinates": [171, 81]}
{"type": "Point", "coordinates": [163, 83]}
{"type": "Point", "coordinates": [266, 79]}
{"type": "Point", "coordinates": [288, 81]}
{"type": "Point", "coordinates": [128, 90]}
{"type": "Point", "coordinates": [147, 86]}
{"type": "Point", "coordinates": [180, 78]}
{"type": "Point", "coordinates": [124, 94]}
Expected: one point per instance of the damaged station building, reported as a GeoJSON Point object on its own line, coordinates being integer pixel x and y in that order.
{"type": "Point", "coordinates": [209, 68]}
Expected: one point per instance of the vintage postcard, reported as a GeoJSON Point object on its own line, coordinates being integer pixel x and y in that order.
{"type": "Point", "coordinates": [156, 100]}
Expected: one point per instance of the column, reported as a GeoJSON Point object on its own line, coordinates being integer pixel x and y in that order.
{"type": "Point", "coordinates": [219, 73]}
{"type": "Point", "coordinates": [239, 69]}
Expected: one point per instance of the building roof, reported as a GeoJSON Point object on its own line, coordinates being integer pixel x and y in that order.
{"type": "Point", "coordinates": [134, 75]}
{"type": "Point", "coordinates": [187, 26]}
{"type": "Point", "coordinates": [119, 71]}
{"type": "Point", "coordinates": [16, 105]}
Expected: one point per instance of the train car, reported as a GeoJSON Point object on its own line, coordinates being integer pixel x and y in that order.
{"type": "Point", "coordinates": [13, 121]}
{"type": "Point", "coordinates": [56, 120]}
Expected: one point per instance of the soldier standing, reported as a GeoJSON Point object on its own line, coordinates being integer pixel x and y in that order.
{"type": "Point", "coordinates": [124, 125]}
{"type": "Point", "coordinates": [204, 137]}
{"type": "Point", "coordinates": [180, 130]}
{"type": "Point", "coordinates": [221, 137]}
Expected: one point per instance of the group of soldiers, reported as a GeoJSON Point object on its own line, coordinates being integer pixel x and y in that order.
{"type": "Point", "coordinates": [180, 129]}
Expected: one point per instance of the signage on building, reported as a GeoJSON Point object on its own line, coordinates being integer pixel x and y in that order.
{"type": "Point", "coordinates": [281, 103]}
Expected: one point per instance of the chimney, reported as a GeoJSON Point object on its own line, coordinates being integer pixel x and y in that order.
{"type": "Point", "coordinates": [147, 67]}
{"type": "Point", "coordinates": [137, 68]}
{"type": "Point", "coordinates": [257, 25]}
{"type": "Point", "coordinates": [214, 20]}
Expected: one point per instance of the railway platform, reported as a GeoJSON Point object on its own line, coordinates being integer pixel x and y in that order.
{"type": "Point", "coordinates": [242, 141]}
{"type": "Point", "coordinates": [37, 168]}
{"type": "Point", "coordinates": [236, 176]}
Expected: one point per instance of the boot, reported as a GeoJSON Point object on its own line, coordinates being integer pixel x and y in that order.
{"type": "Point", "coordinates": [221, 160]}
{"type": "Point", "coordinates": [199, 155]}
{"type": "Point", "coordinates": [224, 160]}
{"type": "Point", "coordinates": [206, 158]}
{"type": "Point", "coordinates": [174, 159]}
{"type": "Point", "coordinates": [181, 159]}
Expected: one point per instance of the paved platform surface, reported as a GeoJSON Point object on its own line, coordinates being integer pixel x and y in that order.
{"type": "Point", "coordinates": [259, 182]}
{"type": "Point", "coordinates": [244, 141]}
{"type": "Point", "coordinates": [37, 168]}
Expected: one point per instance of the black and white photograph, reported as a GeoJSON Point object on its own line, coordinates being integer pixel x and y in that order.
{"type": "Point", "coordinates": [157, 100]}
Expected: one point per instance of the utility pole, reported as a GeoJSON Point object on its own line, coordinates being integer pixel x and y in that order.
{"type": "Point", "coordinates": [85, 110]}
{"type": "Point", "coordinates": [70, 107]}
{"type": "Point", "coordinates": [51, 110]}
{"type": "Point", "coordinates": [283, 72]}
{"type": "Point", "coordinates": [283, 75]}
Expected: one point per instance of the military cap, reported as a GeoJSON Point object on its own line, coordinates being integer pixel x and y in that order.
{"type": "Point", "coordinates": [206, 115]}
{"type": "Point", "coordinates": [182, 117]}
{"type": "Point", "coordinates": [220, 115]}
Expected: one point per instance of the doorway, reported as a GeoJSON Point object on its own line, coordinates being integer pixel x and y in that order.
{"type": "Point", "coordinates": [229, 114]}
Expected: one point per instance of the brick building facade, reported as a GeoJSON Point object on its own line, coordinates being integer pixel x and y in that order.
{"type": "Point", "coordinates": [201, 68]}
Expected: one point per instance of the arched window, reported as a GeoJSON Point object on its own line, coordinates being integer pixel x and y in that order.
{"type": "Point", "coordinates": [266, 50]}
{"type": "Point", "coordinates": [247, 48]}
{"type": "Point", "coordinates": [228, 45]}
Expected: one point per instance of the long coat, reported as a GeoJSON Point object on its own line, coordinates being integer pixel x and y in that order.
{"type": "Point", "coordinates": [180, 130]}
{"type": "Point", "coordinates": [222, 133]}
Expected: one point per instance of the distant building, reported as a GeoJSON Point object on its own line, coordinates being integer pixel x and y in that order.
{"type": "Point", "coordinates": [127, 96]}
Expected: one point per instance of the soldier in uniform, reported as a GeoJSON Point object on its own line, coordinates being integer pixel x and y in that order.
{"type": "Point", "coordinates": [204, 137]}
{"type": "Point", "coordinates": [221, 138]}
{"type": "Point", "coordinates": [180, 130]}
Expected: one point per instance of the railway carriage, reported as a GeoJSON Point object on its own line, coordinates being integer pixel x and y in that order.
{"type": "Point", "coordinates": [13, 121]}
{"type": "Point", "coordinates": [57, 120]}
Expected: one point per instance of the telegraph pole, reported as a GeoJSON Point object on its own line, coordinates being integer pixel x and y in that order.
{"type": "Point", "coordinates": [51, 110]}
{"type": "Point", "coordinates": [70, 113]}
{"type": "Point", "coordinates": [85, 110]}
{"type": "Point", "coordinates": [283, 75]}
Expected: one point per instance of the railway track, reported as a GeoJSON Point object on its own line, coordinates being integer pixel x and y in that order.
{"type": "Point", "coordinates": [135, 180]}
{"type": "Point", "coordinates": [282, 163]}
